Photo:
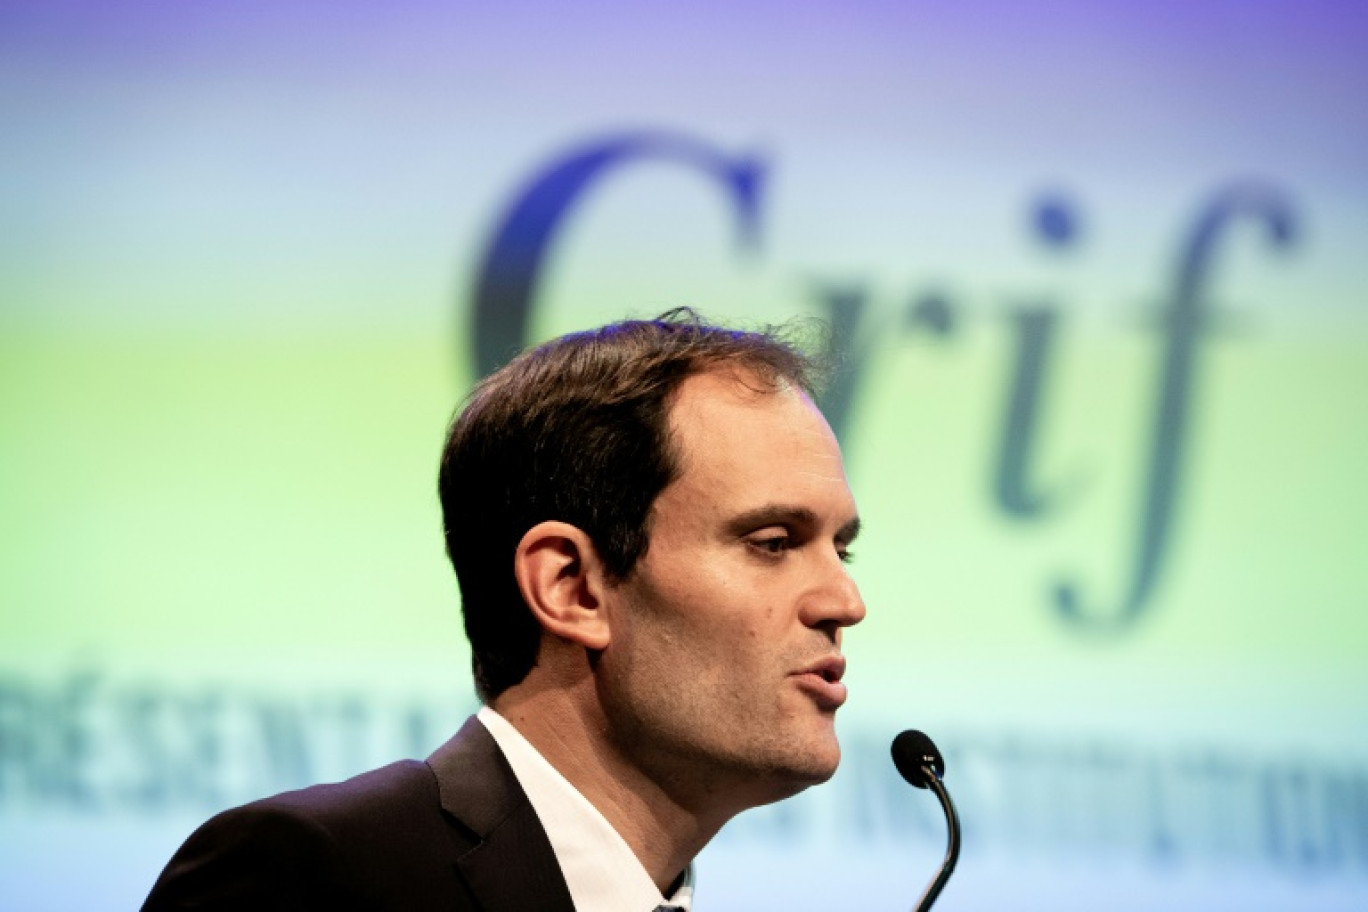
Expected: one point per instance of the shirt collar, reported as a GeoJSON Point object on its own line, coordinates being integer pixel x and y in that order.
{"type": "Point", "coordinates": [601, 870]}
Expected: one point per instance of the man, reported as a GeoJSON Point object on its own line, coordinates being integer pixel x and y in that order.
{"type": "Point", "coordinates": [650, 524]}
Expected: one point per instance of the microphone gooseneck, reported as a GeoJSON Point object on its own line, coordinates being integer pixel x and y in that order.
{"type": "Point", "coordinates": [921, 765]}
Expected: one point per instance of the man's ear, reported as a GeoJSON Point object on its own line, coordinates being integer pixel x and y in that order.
{"type": "Point", "coordinates": [561, 579]}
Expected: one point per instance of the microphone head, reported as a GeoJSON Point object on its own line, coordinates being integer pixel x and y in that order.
{"type": "Point", "coordinates": [914, 754]}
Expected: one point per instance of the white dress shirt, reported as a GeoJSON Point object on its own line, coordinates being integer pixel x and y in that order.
{"type": "Point", "coordinates": [601, 870]}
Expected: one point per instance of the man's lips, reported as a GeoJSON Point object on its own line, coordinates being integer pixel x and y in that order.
{"type": "Point", "coordinates": [822, 680]}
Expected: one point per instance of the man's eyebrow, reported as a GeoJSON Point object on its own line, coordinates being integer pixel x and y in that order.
{"type": "Point", "coordinates": [787, 515]}
{"type": "Point", "coordinates": [847, 533]}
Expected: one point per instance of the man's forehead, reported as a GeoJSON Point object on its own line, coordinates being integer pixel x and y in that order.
{"type": "Point", "coordinates": [706, 398]}
{"type": "Point", "coordinates": [755, 440]}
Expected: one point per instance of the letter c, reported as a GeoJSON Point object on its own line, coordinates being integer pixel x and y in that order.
{"type": "Point", "coordinates": [509, 272]}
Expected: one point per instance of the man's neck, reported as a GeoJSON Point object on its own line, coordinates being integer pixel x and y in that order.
{"type": "Point", "coordinates": [662, 832]}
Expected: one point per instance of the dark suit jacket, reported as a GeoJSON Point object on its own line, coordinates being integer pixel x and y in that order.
{"type": "Point", "coordinates": [455, 833]}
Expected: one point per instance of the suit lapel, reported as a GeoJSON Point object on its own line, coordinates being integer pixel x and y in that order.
{"type": "Point", "coordinates": [511, 867]}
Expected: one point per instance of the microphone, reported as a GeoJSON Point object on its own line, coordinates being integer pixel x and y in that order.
{"type": "Point", "coordinates": [922, 765]}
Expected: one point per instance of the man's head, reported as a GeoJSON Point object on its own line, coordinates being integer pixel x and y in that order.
{"type": "Point", "coordinates": [720, 663]}
{"type": "Point", "coordinates": [577, 431]}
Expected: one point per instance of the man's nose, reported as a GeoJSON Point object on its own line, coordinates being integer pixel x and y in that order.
{"type": "Point", "coordinates": [836, 602]}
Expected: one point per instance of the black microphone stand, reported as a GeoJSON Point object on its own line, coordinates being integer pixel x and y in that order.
{"type": "Point", "coordinates": [919, 762]}
{"type": "Point", "coordinates": [952, 847]}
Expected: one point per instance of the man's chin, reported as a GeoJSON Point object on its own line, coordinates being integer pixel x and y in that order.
{"type": "Point", "coordinates": [791, 779]}
{"type": "Point", "coordinates": [814, 764]}
{"type": "Point", "coordinates": [826, 767]}
{"type": "Point", "coordinates": [787, 764]}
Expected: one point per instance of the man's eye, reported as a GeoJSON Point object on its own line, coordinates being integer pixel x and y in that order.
{"type": "Point", "coordinates": [771, 544]}
{"type": "Point", "coordinates": [845, 556]}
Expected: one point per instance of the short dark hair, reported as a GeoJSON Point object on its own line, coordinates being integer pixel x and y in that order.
{"type": "Point", "coordinates": [577, 430]}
